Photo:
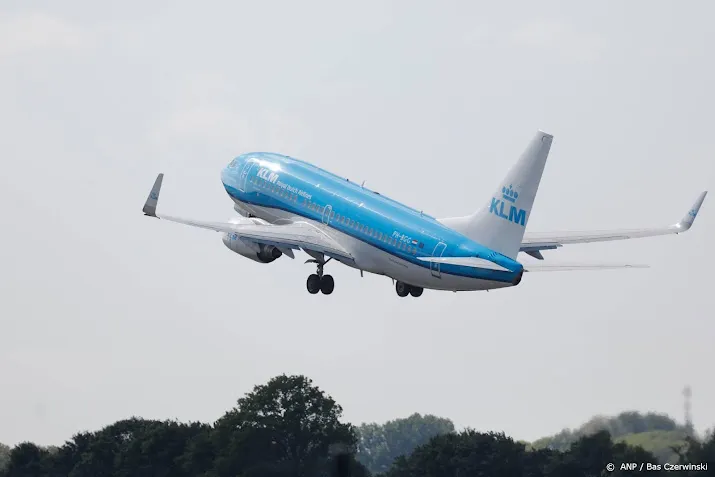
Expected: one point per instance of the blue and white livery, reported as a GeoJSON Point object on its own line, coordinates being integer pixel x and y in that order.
{"type": "Point", "coordinates": [286, 204]}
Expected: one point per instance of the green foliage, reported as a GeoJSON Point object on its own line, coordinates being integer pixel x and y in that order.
{"type": "Point", "coordinates": [474, 454]}
{"type": "Point", "coordinates": [4, 456]}
{"type": "Point", "coordinates": [625, 424]}
{"type": "Point", "coordinates": [697, 452]}
{"type": "Point", "coordinates": [287, 422]}
{"type": "Point", "coordinates": [659, 443]}
{"type": "Point", "coordinates": [380, 445]}
{"type": "Point", "coordinates": [289, 427]}
{"type": "Point", "coordinates": [283, 428]}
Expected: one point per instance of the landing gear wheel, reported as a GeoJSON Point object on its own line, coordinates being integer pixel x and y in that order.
{"type": "Point", "coordinates": [327, 284]}
{"type": "Point", "coordinates": [313, 284]}
{"type": "Point", "coordinates": [402, 289]}
{"type": "Point", "coordinates": [416, 291]}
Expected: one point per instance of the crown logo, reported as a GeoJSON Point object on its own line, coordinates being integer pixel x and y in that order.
{"type": "Point", "coordinates": [693, 213]}
{"type": "Point", "coordinates": [508, 193]}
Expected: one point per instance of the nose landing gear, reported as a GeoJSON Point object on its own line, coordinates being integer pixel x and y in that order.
{"type": "Point", "coordinates": [318, 282]}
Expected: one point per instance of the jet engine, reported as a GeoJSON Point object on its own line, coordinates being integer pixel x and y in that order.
{"type": "Point", "coordinates": [257, 252]}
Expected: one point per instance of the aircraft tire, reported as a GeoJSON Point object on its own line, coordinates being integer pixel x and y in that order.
{"type": "Point", "coordinates": [327, 284]}
{"type": "Point", "coordinates": [313, 284]}
{"type": "Point", "coordinates": [416, 291]}
{"type": "Point", "coordinates": [402, 289]}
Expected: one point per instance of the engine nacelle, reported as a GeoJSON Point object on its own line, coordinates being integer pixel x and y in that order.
{"type": "Point", "coordinates": [257, 252]}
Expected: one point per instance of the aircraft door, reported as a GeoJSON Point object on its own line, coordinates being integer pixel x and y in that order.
{"type": "Point", "coordinates": [438, 251]}
{"type": "Point", "coordinates": [326, 214]}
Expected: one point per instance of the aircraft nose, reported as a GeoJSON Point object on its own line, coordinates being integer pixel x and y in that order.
{"type": "Point", "coordinates": [230, 168]}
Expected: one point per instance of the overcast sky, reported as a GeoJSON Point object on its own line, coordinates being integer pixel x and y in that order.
{"type": "Point", "coordinates": [106, 314]}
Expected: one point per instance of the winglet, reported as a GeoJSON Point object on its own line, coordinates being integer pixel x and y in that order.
{"type": "Point", "coordinates": [687, 221]}
{"type": "Point", "coordinates": [153, 199]}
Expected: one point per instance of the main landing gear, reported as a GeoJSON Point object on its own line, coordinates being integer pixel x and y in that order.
{"type": "Point", "coordinates": [317, 282]}
{"type": "Point", "coordinates": [403, 289]}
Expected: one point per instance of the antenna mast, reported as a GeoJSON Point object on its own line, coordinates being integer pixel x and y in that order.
{"type": "Point", "coordinates": [687, 394]}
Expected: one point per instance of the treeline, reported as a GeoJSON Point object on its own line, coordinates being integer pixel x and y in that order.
{"type": "Point", "coordinates": [656, 433]}
{"type": "Point", "coordinates": [289, 427]}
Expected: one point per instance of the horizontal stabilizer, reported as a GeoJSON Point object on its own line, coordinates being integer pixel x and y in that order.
{"type": "Point", "coordinates": [473, 262]}
{"type": "Point", "coordinates": [566, 267]}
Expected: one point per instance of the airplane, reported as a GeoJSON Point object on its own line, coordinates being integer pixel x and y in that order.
{"type": "Point", "coordinates": [287, 204]}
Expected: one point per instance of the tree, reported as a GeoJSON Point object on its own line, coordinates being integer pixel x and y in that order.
{"type": "Point", "coordinates": [590, 455]}
{"type": "Point", "coordinates": [470, 454]}
{"type": "Point", "coordinates": [663, 432]}
{"type": "Point", "coordinates": [4, 456]}
{"type": "Point", "coordinates": [27, 460]}
{"type": "Point", "coordinates": [380, 445]}
{"type": "Point", "coordinates": [696, 452]}
{"type": "Point", "coordinates": [285, 427]}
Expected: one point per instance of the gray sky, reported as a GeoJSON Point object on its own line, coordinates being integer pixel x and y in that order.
{"type": "Point", "coordinates": [108, 314]}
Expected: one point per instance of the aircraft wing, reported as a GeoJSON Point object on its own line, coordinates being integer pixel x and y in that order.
{"type": "Point", "coordinates": [534, 243]}
{"type": "Point", "coordinates": [294, 235]}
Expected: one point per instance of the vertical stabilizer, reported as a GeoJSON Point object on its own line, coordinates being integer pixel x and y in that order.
{"type": "Point", "coordinates": [501, 223]}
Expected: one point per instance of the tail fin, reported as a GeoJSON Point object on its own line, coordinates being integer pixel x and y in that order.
{"type": "Point", "coordinates": [500, 224]}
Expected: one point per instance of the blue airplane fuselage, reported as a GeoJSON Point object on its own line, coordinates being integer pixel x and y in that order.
{"type": "Point", "coordinates": [384, 235]}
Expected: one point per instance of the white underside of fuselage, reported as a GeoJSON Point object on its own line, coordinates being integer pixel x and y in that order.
{"type": "Point", "coordinates": [374, 260]}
